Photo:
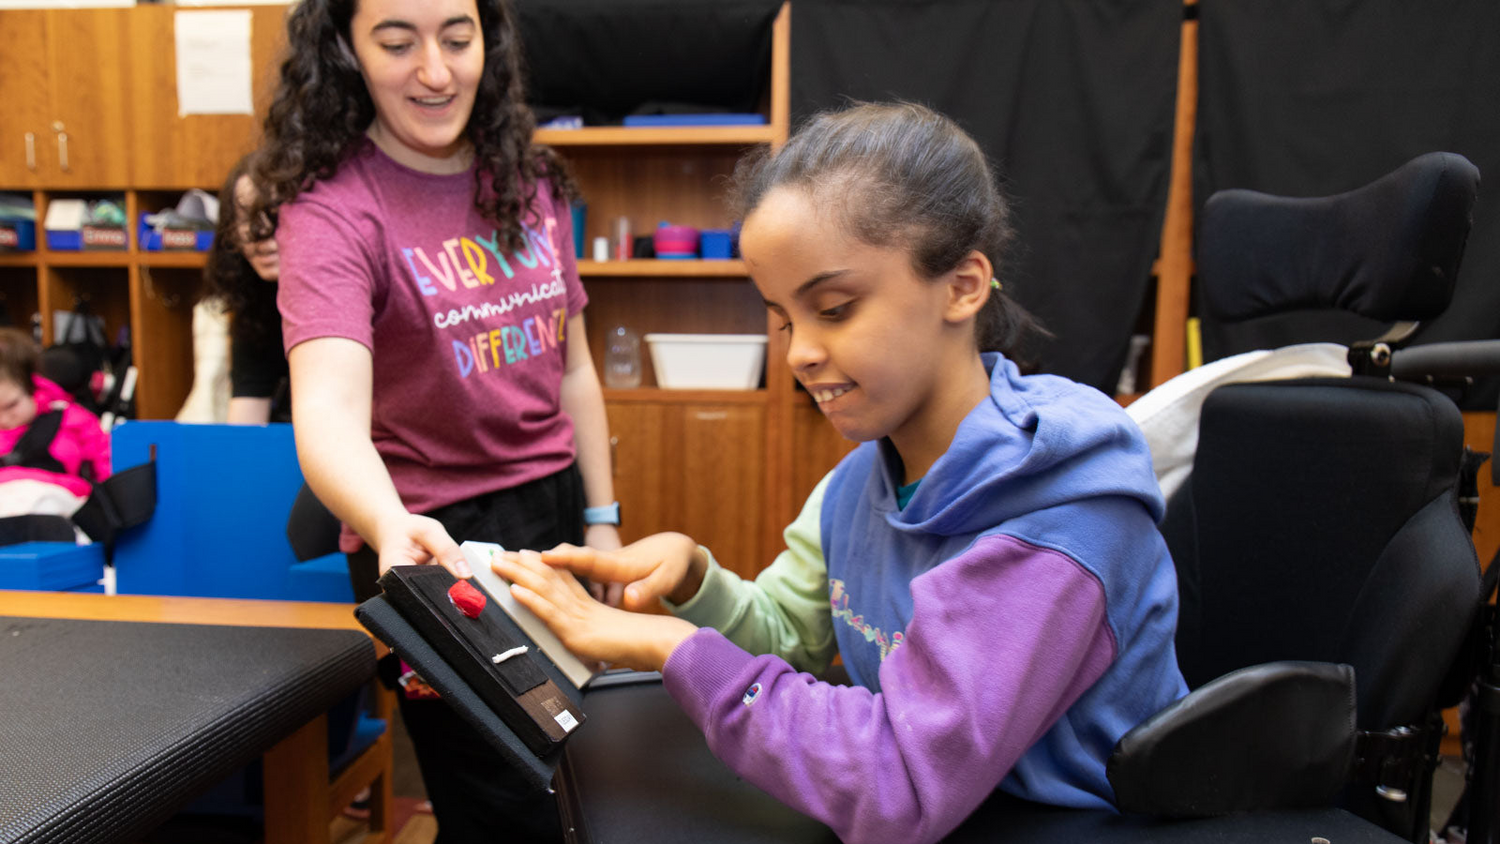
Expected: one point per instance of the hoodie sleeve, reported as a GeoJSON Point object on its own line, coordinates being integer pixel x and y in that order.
{"type": "Point", "coordinates": [784, 611]}
{"type": "Point", "coordinates": [1002, 640]}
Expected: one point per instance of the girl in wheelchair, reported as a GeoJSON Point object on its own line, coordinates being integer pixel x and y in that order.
{"type": "Point", "coordinates": [986, 564]}
{"type": "Point", "coordinates": [54, 449]}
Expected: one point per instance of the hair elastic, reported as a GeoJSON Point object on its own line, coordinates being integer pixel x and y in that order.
{"type": "Point", "coordinates": [995, 283]}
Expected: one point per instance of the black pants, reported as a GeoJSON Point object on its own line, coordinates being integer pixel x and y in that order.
{"type": "Point", "coordinates": [475, 796]}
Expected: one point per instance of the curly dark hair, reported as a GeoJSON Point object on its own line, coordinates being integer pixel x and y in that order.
{"type": "Point", "coordinates": [230, 278]}
{"type": "Point", "coordinates": [321, 111]}
{"type": "Point", "coordinates": [903, 174]}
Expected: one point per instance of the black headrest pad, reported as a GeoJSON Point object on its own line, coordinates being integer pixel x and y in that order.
{"type": "Point", "coordinates": [1389, 250]}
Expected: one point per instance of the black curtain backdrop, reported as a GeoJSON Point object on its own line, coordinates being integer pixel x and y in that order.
{"type": "Point", "coordinates": [1317, 97]}
{"type": "Point", "coordinates": [1072, 99]}
{"type": "Point", "coordinates": [605, 59]}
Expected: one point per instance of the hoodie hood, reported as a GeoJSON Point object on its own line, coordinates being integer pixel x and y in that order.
{"type": "Point", "coordinates": [47, 393]}
{"type": "Point", "coordinates": [1038, 441]}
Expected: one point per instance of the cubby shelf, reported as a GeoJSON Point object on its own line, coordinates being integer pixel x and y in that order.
{"type": "Point", "coordinates": [655, 268]}
{"type": "Point", "coordinates": [184, 260]}
{"type": "Point", "coordinates": [116, 259]}
{"type": "Point", "coordinates": [670, 136]}
{"type": "Point", "coordinates": [659, 395]}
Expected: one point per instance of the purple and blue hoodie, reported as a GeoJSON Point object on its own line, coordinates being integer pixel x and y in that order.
{"type": "Point", "coordinates": [1003, 630]}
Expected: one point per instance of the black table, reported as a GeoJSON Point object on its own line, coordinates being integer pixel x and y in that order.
{"type": "Point", "coordinates": [641, 772]}
{"type": "Point", "coordinates": [109, 727]}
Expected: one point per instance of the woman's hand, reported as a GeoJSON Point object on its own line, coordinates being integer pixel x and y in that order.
{"type": "Point", "coordinates": [591, 630]}
{"type": "Point", "coordinates": [661, 565]}
{"type": "Point", "coordinates": [604, 538]}
{"type": "Point", "coordinates": [410, 539]}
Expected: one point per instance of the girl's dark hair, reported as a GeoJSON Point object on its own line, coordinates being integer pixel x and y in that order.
{"type": "Point", "coordinates": [900, 174]}
{"type": "Point", "coordinates": [229, 277]}
{"type": "Point", "coordinates": [321, 110]}
{"type": "Point", "coordinates": [18, 358]}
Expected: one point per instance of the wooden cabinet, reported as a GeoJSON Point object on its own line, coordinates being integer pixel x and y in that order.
{"type": "Point", "coordinates": [91, 101]}
{"type": "Point", "coordinates": [64, 80]}
{"type": "Point", "coordinates": [197, 150]}
{"type": "Point", "coordinates": [23, 90]}
{"type": "Point", "coordinates": [694, 464]}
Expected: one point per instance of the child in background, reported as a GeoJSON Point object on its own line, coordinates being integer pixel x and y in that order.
{"type": "Point", "coordinates": [242, 273]}
{"type": "Point", "coordinates": [53, 449]}
{"type": "Point", "coordinates": [987, 562]}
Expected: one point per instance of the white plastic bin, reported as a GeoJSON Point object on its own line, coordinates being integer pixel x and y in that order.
{"type": "Point", "coordinates": [707, 361]}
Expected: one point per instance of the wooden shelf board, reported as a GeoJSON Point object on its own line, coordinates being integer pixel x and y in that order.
{"type": "Point", "coordinates": [104, 258]}
{"type": "Point", "coordinates": [17, 259]}
{"type": "Point", "coordinates": [189, 260]}
{"type": "Point", "coordinates": [665, 136]}
{"type": "Point", "coordinates": [658, 268]}
{"type": "Point", "coordinates": [661, 396]}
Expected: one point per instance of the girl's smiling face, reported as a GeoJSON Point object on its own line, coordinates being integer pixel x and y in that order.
{"type": "Point", "coordinates": [422, 62]}
{"type": "Point", "coordinates": [883, 351]}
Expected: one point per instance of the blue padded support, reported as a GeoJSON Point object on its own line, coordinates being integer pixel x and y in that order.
{"type": "Point", "coordinates": [219, 529]}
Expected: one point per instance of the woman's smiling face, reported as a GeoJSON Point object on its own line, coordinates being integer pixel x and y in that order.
{"type": "Point", "coordinates": [422, 62]}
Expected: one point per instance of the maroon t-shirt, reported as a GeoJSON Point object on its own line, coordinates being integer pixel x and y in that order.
{"type": "Point", "coordinates": [468, 338]}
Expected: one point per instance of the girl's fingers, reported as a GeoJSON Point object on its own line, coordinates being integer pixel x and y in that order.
{"type": "Point", "coordinates": [527, 569]}
{"type": "Point", "coordinates": [592, 563]}
{"type": "Point", "coordinates": [644, 592]}
{"type": "Point", "coordinates": [510, 566]}
{"type": "Point", "coordinates": [539, 607]}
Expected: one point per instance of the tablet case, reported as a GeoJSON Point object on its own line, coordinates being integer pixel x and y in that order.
{"type": "Point", "coordinates": [380, 617]}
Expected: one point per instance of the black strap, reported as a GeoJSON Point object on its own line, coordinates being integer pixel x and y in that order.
{"type": "Point", "coordinates": [31, 450]}
{"type": "Point", "coordinates": [34, 527]}
{"type": "Point", "coordinates": [1468, 485]}
{"type": "Point", "coordinates": [124, 500]}
{"type": "Point", "coordinates": [1391, 760]}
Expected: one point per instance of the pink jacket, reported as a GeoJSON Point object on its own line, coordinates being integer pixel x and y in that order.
{"type": "Point", "coordinates": [80, 441]}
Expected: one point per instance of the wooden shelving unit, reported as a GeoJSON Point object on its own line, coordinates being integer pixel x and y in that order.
{"type": "Point", "coordinates": [616, 136]}
{"type": "Point", "coordinates": [90, 111]}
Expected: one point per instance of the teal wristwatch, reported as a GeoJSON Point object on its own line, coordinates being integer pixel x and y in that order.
{"type": "Point", "coordinates": [606, 515]}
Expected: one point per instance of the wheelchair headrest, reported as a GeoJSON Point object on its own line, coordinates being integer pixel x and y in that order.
{"type": "Point", "coordinates": [1389, 250]}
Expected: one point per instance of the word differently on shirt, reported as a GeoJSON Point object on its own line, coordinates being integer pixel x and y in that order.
{"type": "Point", "coordinates": [510, 344]}
{"type": "Point", "coordinates": [838, 599]}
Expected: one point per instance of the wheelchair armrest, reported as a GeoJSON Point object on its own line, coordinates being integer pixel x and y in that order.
{"type": "Point", "coordinates": [1277, 735]}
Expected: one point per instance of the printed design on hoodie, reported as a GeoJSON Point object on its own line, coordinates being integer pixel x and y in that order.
{"type": "Point", "coordinates": [466, 266]}
{"type": "Point", "coordinates": [838, 599]}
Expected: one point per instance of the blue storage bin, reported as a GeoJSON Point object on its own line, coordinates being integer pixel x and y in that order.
{"type": "Point", "coordinates": [64, 240]}
{"type": "Point", "coordinates": [17, 235]}
{"type": "Point", "coordinates": [51, 566]}
{"type": "Point", "coordinates": [710, 119]}
{"type": "Point", "coordinates": [172, 240]}
{"type": "Point", "coordinates": [715, 244]}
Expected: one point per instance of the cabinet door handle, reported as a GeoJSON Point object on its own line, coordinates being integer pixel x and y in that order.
{"type": "Point", "coordinates": [62, 151]}
{"type": "Point", "coordinates": [31, 151]}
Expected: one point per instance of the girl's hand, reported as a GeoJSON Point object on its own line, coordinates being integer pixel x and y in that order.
{"type": "Point", "coordinates": [591, 630]}
{"type": "Point", "coordinates": [661, 565]}
{"type": "Point", "coordinates": [604, 538]}
{"type": "Point", "coordinates": [410, 539]}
